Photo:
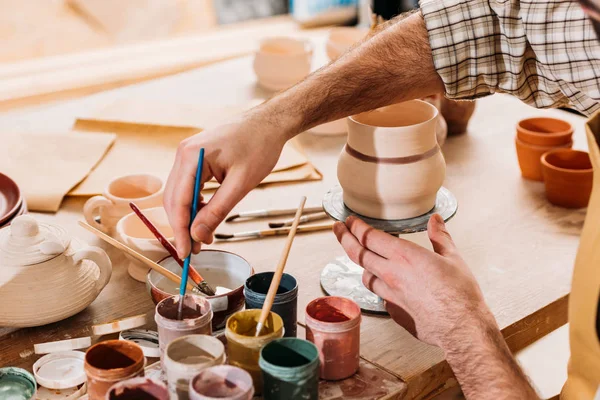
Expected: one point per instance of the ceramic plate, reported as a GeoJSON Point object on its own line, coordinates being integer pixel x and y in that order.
{"type": "Point", "coordinates": [10, 198]}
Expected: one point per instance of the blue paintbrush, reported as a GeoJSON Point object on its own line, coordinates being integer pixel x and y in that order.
{"type": "Point", "coordinates": [194, 211]}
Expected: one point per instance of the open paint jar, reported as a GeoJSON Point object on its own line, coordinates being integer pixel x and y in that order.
{"type": "Point", "coordinates": [285, 303]}
{"type": "Point", "coordinates": [197, 316]}
{"type": "Point", "coordinates": [243, 348]}
{"type": "Point", "coordinates": [138, 389]}
{"type": "Point", "coordinates": [222, 382]}
{"type": "Point", "coordinates": [333, 325]}
{"type": "Point", "coordinates": [109, 362]}
{"type": "Point", "coordinates": [290, 368]}
{"type": "Point", "coordinates": [186, 357]}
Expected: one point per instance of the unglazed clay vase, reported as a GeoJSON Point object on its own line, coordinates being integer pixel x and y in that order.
{"type": "Point", "coordinates": [457, 114]}
{"type": "Point", "coordinates": [132, 232]}
{"type": "Point", "coordinates": [341, 39]}
{"type": "Point", "coordinates": [392, 166]}
{"type": "Point", "coordinates": [144, 190]}
{"type": "Point", "coordinates": [282, 62]}
{"type": "Point", "coordinates": [45, 275]}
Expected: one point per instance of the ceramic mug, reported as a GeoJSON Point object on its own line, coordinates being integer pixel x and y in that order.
{"type": "Point", "coordinates": [282, 62]}
{"type": "Point", "coordinates": [144, 190]}
{"type": "Point", "coordinates": [132, 232]}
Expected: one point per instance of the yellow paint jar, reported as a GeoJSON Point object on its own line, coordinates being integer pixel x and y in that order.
{"type": "Point", "coordinates": [243, 348]}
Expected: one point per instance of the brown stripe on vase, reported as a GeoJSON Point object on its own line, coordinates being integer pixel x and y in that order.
{"type": "Point", "coordinates": [391, 160]}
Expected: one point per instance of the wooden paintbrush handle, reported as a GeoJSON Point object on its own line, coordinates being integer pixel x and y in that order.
{"type": "Point", "coordinates": [277, 213]}
{"type": "Point", "coordinates": [300, 229]}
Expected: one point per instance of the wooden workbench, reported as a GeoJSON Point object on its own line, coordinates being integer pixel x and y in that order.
{"type": "Point", "coordinates": [520, 248]}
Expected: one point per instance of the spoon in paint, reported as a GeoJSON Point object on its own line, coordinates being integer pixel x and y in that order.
{"type": "Point", "coordinates": [202, 285]}
{"type": "Point", "coordinates": [266, 309]}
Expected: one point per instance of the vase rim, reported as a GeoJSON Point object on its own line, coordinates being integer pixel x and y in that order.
{"type": "Point", "coordinates": [421, 102]}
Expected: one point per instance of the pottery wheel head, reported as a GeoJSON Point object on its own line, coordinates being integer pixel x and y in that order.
{"type": "Point", "coordinates": [27, 241]}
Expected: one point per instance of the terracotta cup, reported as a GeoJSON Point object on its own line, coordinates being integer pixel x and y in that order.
{"type": "Point", "coordinates": [568, 176]}
{"type": "Point", "coordinates": [144, 190]}
{"type": "Point", "coordinates": [281, 62]}
{"type": "Point", "coordinates": [109, 362]}
{"type": "Point", "coordinates": [333, 325]}
{"type": "Point", "coordinates": [530, 158]}
{"type": "Point", "coordinates": [392, 166]}
{"type": "Point", "coordinates": [132, 232]}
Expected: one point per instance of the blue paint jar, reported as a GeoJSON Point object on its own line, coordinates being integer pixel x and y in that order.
{"type": "Point", "coordinates": [290, 369]}
{"type": "Point", "coordinates": [286, 300]}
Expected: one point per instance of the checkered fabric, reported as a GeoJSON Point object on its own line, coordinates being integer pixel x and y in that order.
{"type": "Point", "coordinates": [545, 52]}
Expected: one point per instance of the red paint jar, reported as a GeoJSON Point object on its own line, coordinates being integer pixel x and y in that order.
{"type": "Point", "coordinates": [333, 325]}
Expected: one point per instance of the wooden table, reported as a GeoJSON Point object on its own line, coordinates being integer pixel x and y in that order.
{"type": "Point", "coordinates": [520, 248]}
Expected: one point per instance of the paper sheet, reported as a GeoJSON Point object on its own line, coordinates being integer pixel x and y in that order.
{"type": "Point", "coordinates": [47, 166]}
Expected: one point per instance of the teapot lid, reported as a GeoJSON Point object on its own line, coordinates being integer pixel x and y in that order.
{"type": "Point", "coordinates": [27, 241]}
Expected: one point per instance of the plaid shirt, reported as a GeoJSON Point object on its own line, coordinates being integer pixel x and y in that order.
{"type": "Point", "coordinates": [545, 52]}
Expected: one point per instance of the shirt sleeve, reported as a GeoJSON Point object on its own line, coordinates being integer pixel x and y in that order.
{"type": "Point", "coordinates": [544, 52]}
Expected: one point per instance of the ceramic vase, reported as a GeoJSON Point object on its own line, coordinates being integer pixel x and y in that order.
{"type": "Point", "coordinates": [282, 62]}
{"type": "Point", "coordinates": [45, 275]}
{"type": "Point", "coordinates": [392, 166]}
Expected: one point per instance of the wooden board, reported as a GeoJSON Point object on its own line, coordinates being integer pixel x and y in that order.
{"type": "Point", "coordinates": [520, 248]}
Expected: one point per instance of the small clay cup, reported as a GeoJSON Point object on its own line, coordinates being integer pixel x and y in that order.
{"type": "Point", "coordinates": [568, 176]}
{"type": "Point", "coordinates": [548, 132]}
{"type": "Point", "coordinates": [529, 157]}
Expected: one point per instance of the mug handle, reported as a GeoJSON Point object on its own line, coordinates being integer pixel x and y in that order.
{"type": "Point", "coordinates": [101, 259]}
{"type": "Point", "coordinates": [89, 211]}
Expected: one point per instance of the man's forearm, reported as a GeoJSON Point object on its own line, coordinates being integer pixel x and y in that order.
{"type": "Point", "coordinates": [391, 66]}
{"type": "Point", "coordinates": [483, 363]}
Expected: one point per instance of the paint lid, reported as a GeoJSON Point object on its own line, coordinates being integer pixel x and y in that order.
{"type": "Point", "coordinates": [73, 393]}
{"type": "Point", "coordinates": [17, 383]}
{"type": "Point", "coordinates": [119, 325]}
{"type": "Point", "coordinates": [61, 370]}
{"type": "Point", "coordinates": [62, 345]}
{"type": "Point", "coordinates": [146, 339]}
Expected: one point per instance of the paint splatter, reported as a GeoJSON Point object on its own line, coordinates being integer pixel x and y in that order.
{"type": "Point", "coordinates": [26, 353]}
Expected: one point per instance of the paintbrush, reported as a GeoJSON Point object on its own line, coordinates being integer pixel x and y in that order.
{"type": "Point", "coordinates": [303, 219]}
{"type": "Point", "coordinates": [193, 212]}
{"type": "Point", "coordinates": [151, 264]}
{"type": "Point", "coordinates": [196, 277]}
{"type": "Point", "coordinates": [270, 213]}
{"type": "Point", "coordinates": [273, 232]}
{"type": "Point", "coordinates": [266, 308]}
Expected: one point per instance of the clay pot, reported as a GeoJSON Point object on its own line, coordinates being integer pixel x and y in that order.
{"type": "Point", "coordinates": [568, 176]}
{"type": "Point", "coordinates": [548, 132]}
{"type": "Point", "coordinates": [457, 114]}
{"type": "Point", "coordinates": [341, 39]}
{"type": "Point", "coordinates": [63, 274]}
{"type": "Point", "coordinates": [392, 166]}
{"type": "Point", "coordinates": [282, 62]}
{"type": "Point", "coordinates": [530, 158]}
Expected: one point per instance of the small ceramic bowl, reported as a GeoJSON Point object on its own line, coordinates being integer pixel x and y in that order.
{"type": "Point", "coordinates": [544, 131]}
{"type": "Point", "coordinates": [341, 39]}
{"type": "Point", "coordinates": [568, 176]}
{"type": "Point", "coordinates": [529, 157]}
{"type": "Point", "coordinates": [282, 62]}
{"type": "Point", "coordinates": [132, 232]}
{"type": "Point", "coordinates": [219, 268]}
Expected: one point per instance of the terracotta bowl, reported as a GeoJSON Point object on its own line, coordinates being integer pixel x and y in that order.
{"type": "Point", "coordinates": [530, 158]}
{"type": "Point", "coordinates": [544, 131]}
{"type": "Point", "coordinates": [219, 268]}
{"type": "Point", "coordinates": [568, 176]}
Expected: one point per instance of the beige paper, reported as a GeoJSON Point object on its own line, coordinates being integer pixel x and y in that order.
{"type": "Point", "coordinates": [47, 166]}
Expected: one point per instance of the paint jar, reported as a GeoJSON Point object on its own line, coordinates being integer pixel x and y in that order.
{"type": "Point", "coordinates": [17, 383]}
{"type": "Point", "coordinates": [187, 356]}
{"type": "Point", "coordinates": [109, 362]}
{"type": "Point", "coordinates": [286, 300]}
{"type": "Point", "coordinates": [138, 389]}
{"type": "Point", "coordinates": [290, 369]}
{"type": "Point", "coordinates": [243, 348]}
{"type": "Point", "coordinates": [197, 317]}
{"type": "Point", "coordinates": [333, 325]}
{"type": "Point", "coordinates": [222, 382]}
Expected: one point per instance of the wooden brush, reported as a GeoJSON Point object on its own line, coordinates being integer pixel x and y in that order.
{"type": "Point", "coordinates": [273, 232]}
{"type": "Point", "coordinates": [203, 286]}
{"type": "Point", "coordinates": [303, 219]}
{"type": "Point", "coordinates": [266, 309]}
{"type": "Point", "coordinates": [270, 213]}
{"type": "Point", "coordinates": [151, 264]}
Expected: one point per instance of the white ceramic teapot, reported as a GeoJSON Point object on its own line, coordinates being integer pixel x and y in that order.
{"type": "Point", "coordinates": [46, 276]}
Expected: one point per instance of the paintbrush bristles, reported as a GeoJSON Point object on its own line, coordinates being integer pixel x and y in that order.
{"type": "Point", "coordinates": [266, 309]}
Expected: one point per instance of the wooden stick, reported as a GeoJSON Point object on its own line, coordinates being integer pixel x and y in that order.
{"type": "Point", "coordinates": [151, 264]}
{"type": "Point", "coordinates": [266, 309]}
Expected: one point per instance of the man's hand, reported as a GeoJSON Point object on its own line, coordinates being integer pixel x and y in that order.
{"type": "Point", "coordinates": [436, 298]}
{"type": "Point", "coordinates": [239, 155]}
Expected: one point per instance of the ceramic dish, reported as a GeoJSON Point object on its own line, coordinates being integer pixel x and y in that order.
{"type": "Point", "coordinates": [10, 199]}
{"type": "Point", "coordinates": [219, 268]}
